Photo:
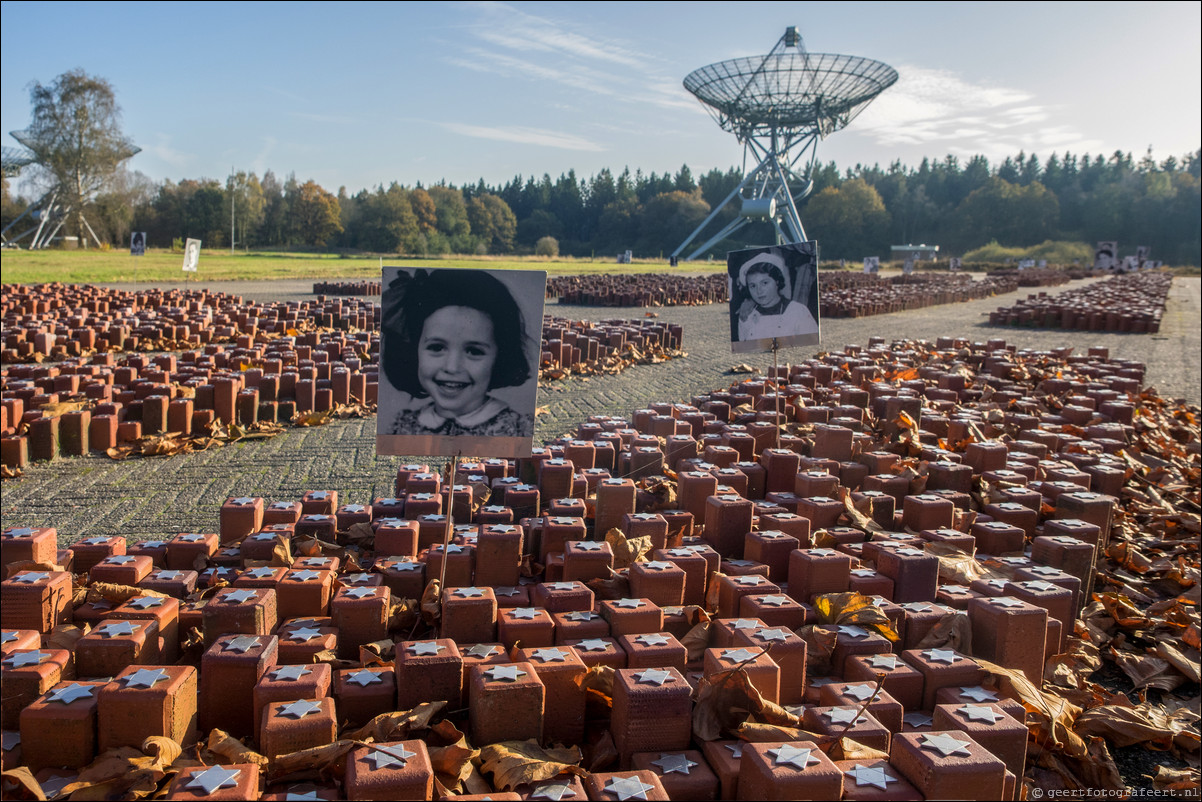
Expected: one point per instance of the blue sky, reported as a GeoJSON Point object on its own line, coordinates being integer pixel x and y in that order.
{"type": "Point", "coordinates": [357, 94]}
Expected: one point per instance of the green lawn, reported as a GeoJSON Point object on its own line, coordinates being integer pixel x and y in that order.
{"type": "Point", "coordinates": [94, 267]}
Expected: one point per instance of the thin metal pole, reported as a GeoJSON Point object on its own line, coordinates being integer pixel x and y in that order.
{"type": "Point", "coordinates": [452, 467]}
{"type": "Point", "coordinates": [775, 394]}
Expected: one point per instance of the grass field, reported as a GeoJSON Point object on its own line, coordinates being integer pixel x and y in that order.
{"type": "Point", "coordinates": [96, 267]}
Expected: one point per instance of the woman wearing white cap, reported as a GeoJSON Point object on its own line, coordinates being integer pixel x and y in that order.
{"type": "Point", "coordinates": [770, 310]}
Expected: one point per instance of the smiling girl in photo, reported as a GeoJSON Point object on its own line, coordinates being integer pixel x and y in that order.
{"type": "Point", "coordinates": [451, 341]}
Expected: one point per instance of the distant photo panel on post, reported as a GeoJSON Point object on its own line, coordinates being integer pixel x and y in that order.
{"type": "Point", "coordinates": [459, 358]}
{"type": "Point", "coordinates": [773, 296]}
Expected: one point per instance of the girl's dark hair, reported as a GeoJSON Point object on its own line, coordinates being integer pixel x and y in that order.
{"type": "Point", "coordinates": [771, 270]}
{"type": "Point", "coordinates": [410, 300]}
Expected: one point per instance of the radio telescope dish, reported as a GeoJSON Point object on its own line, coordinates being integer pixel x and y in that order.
{"type": "Point", "coordinates": [778, 106]}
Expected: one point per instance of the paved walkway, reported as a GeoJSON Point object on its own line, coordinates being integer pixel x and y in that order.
{"type": "Point", "coordinates": [144, 498]}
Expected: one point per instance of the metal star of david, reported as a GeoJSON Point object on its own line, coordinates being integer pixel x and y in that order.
{"type": "Point", "coordinates": [359, 593]}
{"type": "Point", "coordinates": [910, 551]}
{"type": "Point", "coordinates": [239, 596]}
{"type": "Point", "coordinates": [674, 764]}
{"type": "Point", "coordinates": [955, 590]}
{"type": "Point", "coordinates": [1040, 586]}
{"type": "Point", "coordinates": [304, 575]}
{"type": "Point", "coordinates": [524, 613]}
{"type": "Point", "coordinates": [844, 715]}
{"type": "Point", "coordinates": [593, 645]}
{"type": "Point", "coordinates": [918, 607]}
{"type": "Point", "coordinates": [560, 586]}
{"type": "Point", "coordinates": [853, 631]}
{"type": "Point", "coordinates": [740, 563]}
{"type": "Point", "coordinates": [652, 639]}
{"type": "Point", "coordinates": [888, 661]}
{"type": "Point", "coordinates": [117, 629]}
{"type": "Point", "coordinates": [736, 749]}
{"type": "Point", "coordinates": [354, 508]}
{"type": "Point", "coordinates": [94, 541]}
{"type": "Point", "coordinates": [942, 656]}
{"type": "Point", "coordinates": [53, 785]}
{"type": "Point", "coordinates": [469, 593]}
{"type": "Point", "coordinates": [170, 576]}
{"type": "Point", "coordinates": [385, 757]}
{"type": "Point", "coordinates": [978, 694]}
{"type": "Point", "coordinates": [281, 505]}
{"type": "Point", "coordinates": [628, 788]}
{"type": "Point", "coordinates": [789, 755]}
{"type": "Point", "coordinates": [629, 604]}
{"type": "Point", "coordinates": [298, 709]}
{"type": "Point", "coordinates": [1009, 602]}
{"type": "Point", "coordinates": [363, 678]}
{"type": "Point", "coordinates": [304, 634]}
{"type": "Point", "coordinates": [1046, 570]}
{"type": "Point", "coordinates": [425, 647]}
{"type": "Point", "coordinates": [354, 579]}
{"type": "Point", "coordinates": [404, 565]}
{"type": "Point", "coordinates": [999, 583]}
{"type": "Point", "coordinates": [945, 744]}
{"type": "Point", "coordinates": [242, 501]}
{"type": "Point", "coordinates": [653, 676]}
{"type": "Point", "coordinates": [241, 644]}
{"type": "Point", "coordinates": [190, 538]}
{"type": "Point", "coordinates": [772, 534]}
{"type": "Point", "coordinates": [658, 565]}
{"type": "Point", "coordinates": [319, 495]}
{"type": "Point", "coordinates": [776, 634]}
{"type": "Point", "coordinates": [289, 673]}
{"type": "Point", "coordinates": [587, 545]}
{"type": "Point", "coordinates": [10, 740]}
{"type": "Point", "coordinates": [22, 659]}
{"type": "Point", "coordinates": [873, 776]}
{"type": "Point", "coordinates": [980, 713]}
{"type": "Point", "coordinates": [508, 673]}
{"type": "Point", "coordinates": [860, 693]}
{"type": "Point", "coordinates": [302, 796]}
{"type": "Point", "coordinates": [22, 532]}
{"type": "Point", "coordinates": [9, 636]}
{"type": "Point", "coordinates": [748, 579]}
{"type": "Point", "coordinates": [774, 601]}
{"type": "Point", "coordinates": [102, 604]}
{"type": "Point", "coordinates": [917, 720]}
{"type": "Point", "coordinates": [550, 655]}
{"type": "Point", "coordinates": [213, 778]}
{"type": "Point", "coordinates": [481, 650]}
{"type": "Point", "coordinates": [581, 615]}
{"type": "Point", "coordinates": [739, 655]}
{"type": "Point", "coordinates": [553, 791]}
{"type": "Point", "coordinates": [146, 602]}
{"type": "Point", "coordinates": [30, 578]}
{"type": "Point", "coordinates": [260, 573]}
{"type": "Point", "coordinates": [120, 559]}
{"type": "Point", "coordinates": [822, 552]}
{"type": "Point", "coordinates": [72, 692]}
{"type": "Point", "coordinates": [680, 552]}
{"type": "Point", "coordinates": [145, 678]}
{"type": "Point", "coordinates": [863, 572]}
{"type": "Point", "coordinates": [153, 544]}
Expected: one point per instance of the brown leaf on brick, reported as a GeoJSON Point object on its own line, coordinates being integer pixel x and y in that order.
{"type": "Point", "coordinates": [513, 763]}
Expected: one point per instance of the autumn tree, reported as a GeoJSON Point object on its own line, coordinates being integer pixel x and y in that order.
{"type": "Point", "coordinates": [313, 215]}
{"type": "Point", "coordinates": [849, 221]}
{"type": "Point", "coordinates": [493, 222]}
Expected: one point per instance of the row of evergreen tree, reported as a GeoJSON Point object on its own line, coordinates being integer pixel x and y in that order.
{"type": "Point", "coordinates": [853, 212]}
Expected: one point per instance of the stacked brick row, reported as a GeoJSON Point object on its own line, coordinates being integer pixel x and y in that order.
{"type": "Point", "coordinates": [863, 295]}
{"type": "Point", "coordinates": [346, 288]}
{"type": "Point", "coordinates": [638, 289]}
{"type": "Point", "coordinates": [61, 321]}
{"type": "Point", "coordinates": [568, 343]}
{"type": "Point", "coordinates": [534, 597]}
{"type": "Point", "coordinates": [258, 380]}
{"type": "Point", "coordinates": [1130, 304]}
{"type": "Point", "coordinates": [1040, 276]}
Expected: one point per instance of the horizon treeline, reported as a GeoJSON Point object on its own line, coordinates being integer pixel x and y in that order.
{"type": "Point", "coordinates": [853, 212]}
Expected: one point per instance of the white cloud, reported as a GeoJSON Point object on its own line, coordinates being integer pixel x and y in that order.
{"type": "Point", "coordinates": [930, 106]}
{"type": "Point", "coordinates": [162, 149]}
{"type": "Point", "coordinates": [525, 136]}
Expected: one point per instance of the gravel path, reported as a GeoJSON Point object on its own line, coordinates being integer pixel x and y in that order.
{"type": "Point", "coordinates": [144, 498]}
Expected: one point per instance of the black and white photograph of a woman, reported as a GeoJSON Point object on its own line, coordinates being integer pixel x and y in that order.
{"type": "Point", "coordinates": [459, 357]}
{"type": "Point", "coordinates": [773, 296]}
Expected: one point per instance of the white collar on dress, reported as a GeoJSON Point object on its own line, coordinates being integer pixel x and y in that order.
{"type": "Point", "coordinates": [430, 419]}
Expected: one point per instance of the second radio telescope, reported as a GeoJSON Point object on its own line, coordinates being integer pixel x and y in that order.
{"type": "Point", "coordinates": [779, 106]}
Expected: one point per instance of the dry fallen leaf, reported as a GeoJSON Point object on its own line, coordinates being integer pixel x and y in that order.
{"type": "Point", "coordinates": [513, 763]}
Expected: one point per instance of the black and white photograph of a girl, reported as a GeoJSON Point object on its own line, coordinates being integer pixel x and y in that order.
{"type": "Point", "coordinates": [773, 296]}
{"type": "Point", "coordinates": [137, 243]}
{"type": "Point", "coordinates": [459, 358]}
{"type": "Point", "coordinates": [191, 255]}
